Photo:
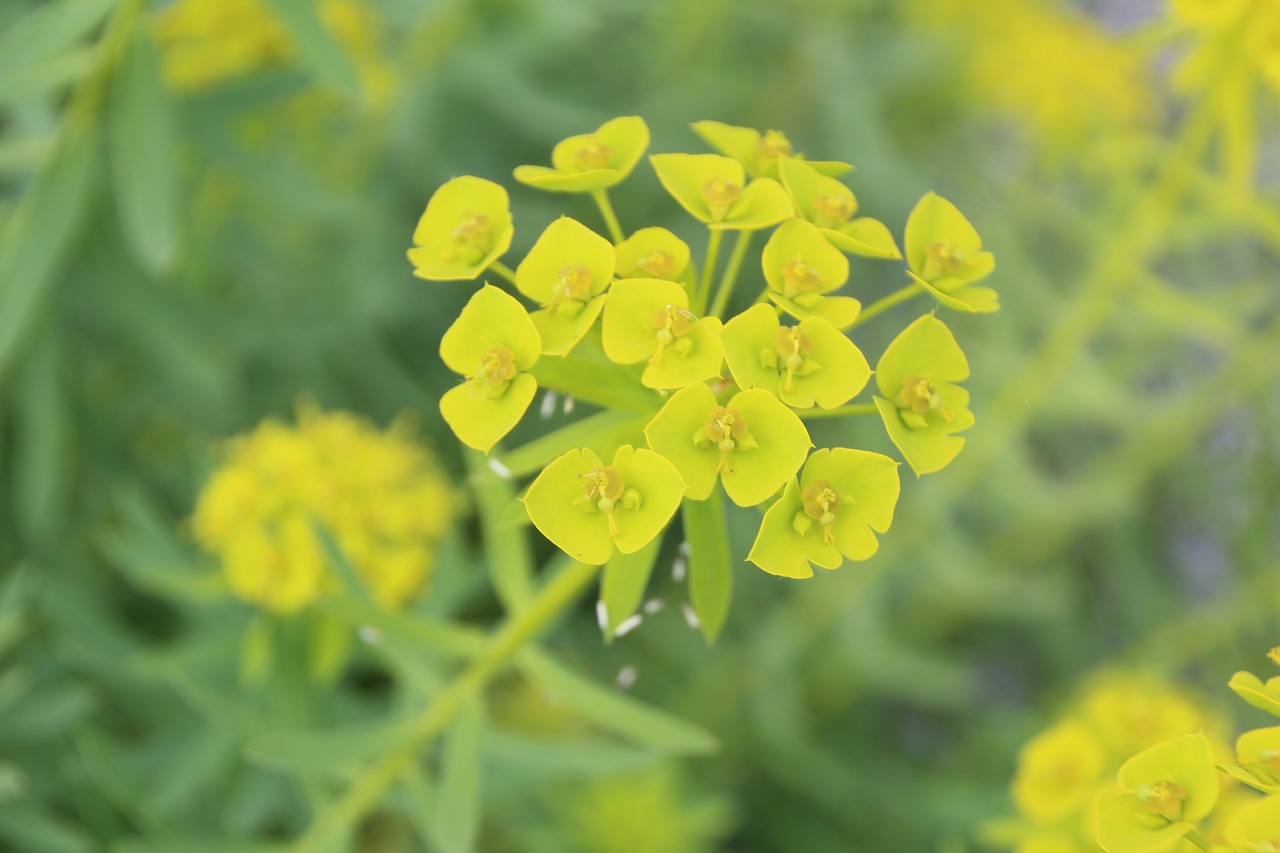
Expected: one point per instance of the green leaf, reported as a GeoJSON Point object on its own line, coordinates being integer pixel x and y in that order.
{"type": "Point", "coordinates": [333, 751]}
{"type": "Point", "coordinates": [27, 826]}
{"type": "Point", "coordinates": [506, 552]}
{"type": "Point", "coordinates": [258, 649]}
{"type": "Point", "coordinates": [143, 143]}
{"type": "Point", "coordinates": [37, 237]}
{"type": "Point", "coordinates": [195, 845]}
{"type": "Point", "coordinates": [623, 586]}
{"type": "Point", "coordinates": [50, 30]}
{"type": "Point", "coordinates": [44, 77]}
{"type": "Point", "coordinates": [710, 569]}
{"type": "Point", "coordinates": [565, 756]}
{"type": "Point", "coordinates": [601, 432]}
{"type": "Point", "coordinates": [41, 441]}
{"type": "Point", "coordinates": [458, 807]}
{"type": "Point", "coordinates": [418, 632]}
{"type": "Point", "coordinates": [319, 49]}
{"type": "Point", "coordinates": [614, 711]}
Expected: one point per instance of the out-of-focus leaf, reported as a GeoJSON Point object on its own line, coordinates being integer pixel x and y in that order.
{"type": "Point", "coordinates": [191, 771]}
{"type": "Point", "coordinates": [49, 30]}
{"type": "Point", "coordinates": [625, 578]}
{"type": "Point", "coordinates": [614, 711]}
{"type": "Point", "coordinates": [458, 806]}
{"type": "Point", "coordinates": [328, 647]}
{"type": "Point", "coordinates": [329, 751]}
{"type": "Point", "coordinates": [411, 631]}
{"type": "Point", "coordinates": [29, 827]}
{"type": "Point", "coordinates": [22, 154]}
{"type": "Point", "coordinates": [40, 467]}
{"type": "Point", "coordinates": [105, 766]}
{"type": "Point", "coordinates": [710, 570]}
{"type": "Point", "coordinates": [322, 53]}
{"type": "Point", "coordinates": [507, 552]}
{"type": "Point", "coordinates": [42, 78]}
{"type": "Point", "coordinates": [47, 711]}
{"type": "Point", "coordinates": [561, 756]}
{"type": "Point", "coordinates": [37, 236]}
{"type": "Point", "coordinates": [258, 649]}
{"type": "Point", "coordinates": [143, 168]}
{"type": "Point", "coordinates": [597, 432]}
{"type": "Point", "coordinates": [195, 845]}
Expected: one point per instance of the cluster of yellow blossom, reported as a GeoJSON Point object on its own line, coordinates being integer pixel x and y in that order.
{"type": "Point", "coordinates": [1243, 35]}
{"type": "Point", "coordinates": [379, 495]}
{"type": "Point", "coordinates": [208, 42]}
{"type": "Point", "coordinates": [1041, 64]}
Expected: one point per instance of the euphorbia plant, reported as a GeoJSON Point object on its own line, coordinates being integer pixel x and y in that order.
{"type": "Point", "coordinates": [628, 321]}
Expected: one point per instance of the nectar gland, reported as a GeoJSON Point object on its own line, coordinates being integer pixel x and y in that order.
{"type": "Point", "coordinates": [791, 346]}
{"type": "Point", "coordinates": [571, 289]}
{"type": "Point", "coordinates": [834, 210]}
{"type": "Point", "coordinates": [672, 324]}
{"type": "Point", "coordinates": [1164, 799]}
{"type": "Point", "coordinates": [592, 155]}
{"type": "Point", "coordinates": [497, 369]}
{"type": "Point", "coordinates": [657, 263]}
{"type": "Point", "coordinates": [604, 491]}
{"type": "Point", "coordinates": [720, 195]}
{"type": "Point", "coordinates": [799, 276]}
{"type": "Point", "coordinates": [471, 239]}
{"type": "Point", "coordinates": [821, 503]}
{"type": "Point", "coordinates": [726, 430]}
{"type": "Point", "coordinates": [918, 397]}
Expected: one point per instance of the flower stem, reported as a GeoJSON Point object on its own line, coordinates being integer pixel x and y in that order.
{"type": "Point", "coordinates": [838, 412]}
{"type": "Point", "coordinates": [610, 218]}
{"type": "Point", "coordinates": [552, 601]}
{"type": "Point", "coordinates": [730, 277]}
{"type": "Point", "coordinates": [888, 302]}
{"type": "Point", "coordinates": [503, 270]}
{"type": "Point", "coordinates": [699, 302]}
{"type": "Point", "coordinates": [1198, 840]}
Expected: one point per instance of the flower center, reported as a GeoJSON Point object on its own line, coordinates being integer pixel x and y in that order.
{"type": "Point", "coordinates": [592, 155]}
{"type": "Point", "coordinates": [726, 430]}
{"type": "Point", "coordinates": [943, 257]}
{"type": "Point", "coordinates": [497, 368]}
{"type": "Point", "coordinates": [672, 324]}
{"type": "Point", "coordinates": [603, 490]}
{"type": "Point", "coordinates": [772, 145]}
{"type": "Point", "coordinates": [821, 503]}
{"type": "Point", "coordinates": [657, 263]}
{"type": "Point", "coordinates": [470, 240]}
{"type": "Point", "coordinates": [572, 287]}
{"type": "Point", "coordinates": [919, 398]}
{"type": "Point", "coordinates": [799, 276]}
{"type": "Point", "coordinates": [1164, 799]}
{"type": "Point", "coordinates": [720, 195]}
{"type": "Point", "coordinates": [792, 346]}
{"type": "Point", "coordinates": [834, 210]}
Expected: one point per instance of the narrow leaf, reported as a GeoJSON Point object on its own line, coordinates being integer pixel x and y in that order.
{"type": "Point", "coordinates": [320, 51]}
{"type": "Point", "coordinates": [597, 432]}
{"type": "Point", "coordinates": [507, 552]}
{"type": "Point", "coordinates": [710, 571]}
{"type": "Point", "coordinates": [458, 807]}
{"type": "Point", "coordinates": [586, 757]}
{"type": "Point", "coordinates": [625, 578]}
{"type": "Point", "coordinates": [50, 30]}
{"type": "Point", "coordinates": [41, 443]}
{"type": "Point", "coordinates": [328, 751]}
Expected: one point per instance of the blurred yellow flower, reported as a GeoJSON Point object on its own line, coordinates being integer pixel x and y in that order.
{"type": "Point", "coordinates": [378, 493]}
{"type": "Point", "coordinates": [1058, 770]}
{"type": "Point", "coordinates": [1131, 712]}
{"type": "Point", "coordinates": [208, 42]}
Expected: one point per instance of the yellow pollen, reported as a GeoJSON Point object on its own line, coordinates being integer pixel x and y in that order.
{"type": "Point", "coordinates": [1164, 799]}
{"type": "Point", "coordinates": [799, 276]}
{"type": "Point", "coordinates": [497, 366]}
{"type": "Point", "coordinates": [472, 229]}
{"type": "Point", "coordinates": [604, 482]}
{"type": "Point", "coordinates": [720, 193]}
{"type": "Point", "coordinates": [657, 263]}
{"type": "Point", "coordinates": [573, 282]}
{"type": "Point", "coordinates": [593, 155]}
{"type": "Point", "coordinates": [835, 209]}
{"type": "Point", "coordinates": [773, 144]}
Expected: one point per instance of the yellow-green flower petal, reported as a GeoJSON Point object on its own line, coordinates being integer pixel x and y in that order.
{"type": "Point", "coordinates": [811, 362]}
{"type": "Point", "coordinates": [1186, 761]}
{"type": "Point", "coordinates": [591, 161]}
{"type": "Point", "coordinates": [647, 319]}
{"type": "Point", "coordinates": [784, 550]}
{"type": "Point", "coordinates": [759, 153]}
{"type": "Point", "coordinates": [940, 242]}
{"type": "Point", "coordinates": [830, 205]}
{"type": "Point", "coordinates": [1258, 757]}
{"type": "Point", "coordinates": [491, 319]}
{"type": "Point", "coordinates": [465, 228]}
{"type": "Point", "coordinates": [839, 311]}
{"type": "Point", "coordinates": [1058, 772]}
{"type": "Point", "coordinates": [560, 333]}
{"type": "Point", "coordinates": [671, 433]}
{"type": "Point", "coordinates": [479, 421]}
{"type": "Point", "coordinates": [714, 190]}
{"type": "Point", "coordinates": [798, 261]}
{"type": "Point", "coordinates": [1255, 826]}
{"type": "Point", "coordinates": [1251, 689]}
{"type": "Point", "coordinates": [1123, 826]}
{"type": "Point", "coordinates": [652, 253]}
{"type": "Point", "coordinates": [752, 475]}
{"type": "Point", "coordinates": [864, 236]}
{"type": "Point", "coordinates": [567, 270]}
{"type": "Point", "coordinates": [587, 508]}
{"type": "Point", "coordinates": [958, 295]}
{"type": "Point", "coordinates": [925, 348]}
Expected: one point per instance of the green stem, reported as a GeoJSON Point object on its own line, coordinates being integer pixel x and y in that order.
{"type": "Point", "coordinates": [888, 302]}
{"type": "Point", "coordinates": [552, 601]}
{"type": "Point", "coordinates": [610, 218]}
{"type": "Point", "coordinates": [503, 270]}
{"type": "Point", "coordinates": [699, 302]}
{"type": "Point", "coordinates": [1198, 840]}
{"type": "Point", "coordinates": [730, 277]}
{"type": "Point", "coordinates": [839, 412]}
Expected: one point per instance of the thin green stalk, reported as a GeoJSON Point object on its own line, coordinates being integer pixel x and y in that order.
{"type": "Point", "coordinates": [882, 305]}
{"type": "Point", "coordinates": [699, 301]}
{"type": "Point", "coordinates": [1198, 840]}
{"type": "Point", "coordinates": [610, 218]}
{"type": "Point", "coordinates": [503, 270]}
{"type": "Point", "coordinates": [551, 602]}
{"type": "Point", "coordinates": [838, 412]}
{"type": "Point", "coordinates": [730, 277]}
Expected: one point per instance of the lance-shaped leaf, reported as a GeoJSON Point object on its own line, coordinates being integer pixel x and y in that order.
{"type": "Point", "coordinates": [806, 364]}
{"type": "Point", "coordinates": [801, 267]}
{"type": "Point", "coordinates": [753, 443]}
{"type": "Point", "coordinates": [566, 272]}
{"type": "Point", "coordinates": [492, 343]}
{"type": "Point", "coordinates": [587, 508]}
{"type": "Point", "coordinates": [842, 499]}
{"type": "Point", "coordinates": [465, 228]}
{"type": "Point", "coordinates": [652, 253]}
{"type": "Point", "coordinates": [591, 161]}
{"type": "Point", "coordinates": [648, 319]}
{"type": "Point", "coordinates": [714, 190]}
{"type": "Point", "coordinates": [761, 154]}
{"type": "Point", "coordinates": [922, 407]}
{"type": "Point", "coordinates": [946, 257]}
{"type": "Point", "coordinates": [830, 205]}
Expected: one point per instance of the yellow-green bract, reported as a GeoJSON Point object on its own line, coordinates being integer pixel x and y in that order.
{"type": "Point", "coordinates": [946, 257]}
{"type": "Point", "coordinates": [465, 228]}
{"type": "Point", "coordinates": [566, 272]}
{"type": "Point", "coordinates": [591, 161]}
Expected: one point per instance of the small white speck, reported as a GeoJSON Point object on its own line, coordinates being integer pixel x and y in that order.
{"type": "Point", "coordinates": [653, 605]}
{"type": "Point", "coordinates": [678, 568]}
{"type": "Point", "coordinates": [498, 468]}
{"type": "Point", "coordinates": [628, 625]}
{"type": "Point", "coordinates": [548, 406]}
{"type": "Point", "coordinates": [626, 677]}
{"type": "Point", "coordinates": [602, 615]}
{"type": "Point", "coordinates": [568, 405]}
{"type": "Point", "coordinates": [683, 549]}
{"type": "Point", "coordinates": [370, 634]}
{"type": "Point", "coordinates": [690, 617]}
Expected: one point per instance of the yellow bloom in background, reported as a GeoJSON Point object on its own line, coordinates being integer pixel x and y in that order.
{"type": "Point", "coordinates": [378, 493]}
{"type": "Point", "coordinates": [1058, 770]}
{"type": "Point", "coordinates": [1131, 712]}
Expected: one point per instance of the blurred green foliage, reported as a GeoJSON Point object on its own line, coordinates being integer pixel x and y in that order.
{"type": "Point", "coordinates": [177, 265]}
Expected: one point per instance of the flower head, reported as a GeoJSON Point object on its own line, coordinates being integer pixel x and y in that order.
{"type": "Point", "coordinates": [465, 228]}
{"type": "Point", "coordinates": [1058, 771]}
{"type": "Point", "coordinates": [714, 190]}
{"type": "Point", "coordinates": [831, 514]}
{"type": "Point", "coordinates": [652, 253]}
{"type": "Point", "coordinates": [591, 161]}
{"type": "Point", "coordinates": [378, 493]}
{"type": "Point", "coordinates": [760, 154]}
{"type": "Point", "coordinates": [649, 320]}
{"type": "Point", "coordinates": [491, 344]}
{"type": "Point", "coordinates": [946, 257]}
{"type": "Point", "coordinates": [801, 267]}
{"type": "Point", "coordinates": [587, 508]}
{"type": "Point", "coordinates": [752, 443]}
{"type": "Point", "coordinates": [922, 407]}
{"type": "Point", "coordinates": [831, 206]}
{"type": "Point", "coordinates": [809, 363]}
{"type": "Point", "coordinates": [566, 272]}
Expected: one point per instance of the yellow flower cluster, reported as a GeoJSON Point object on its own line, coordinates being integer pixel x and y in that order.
{"type": "Point", "coordinates": [1061, 770]}
{"type": "Point", "coordinates": [1245, 32]}
{"type": "Point", "coordinates": [1040, 64]}
{"type": "Point", "coordinates": [208, 42]}
{"type": "Point", "coordinates": [378, 493]}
